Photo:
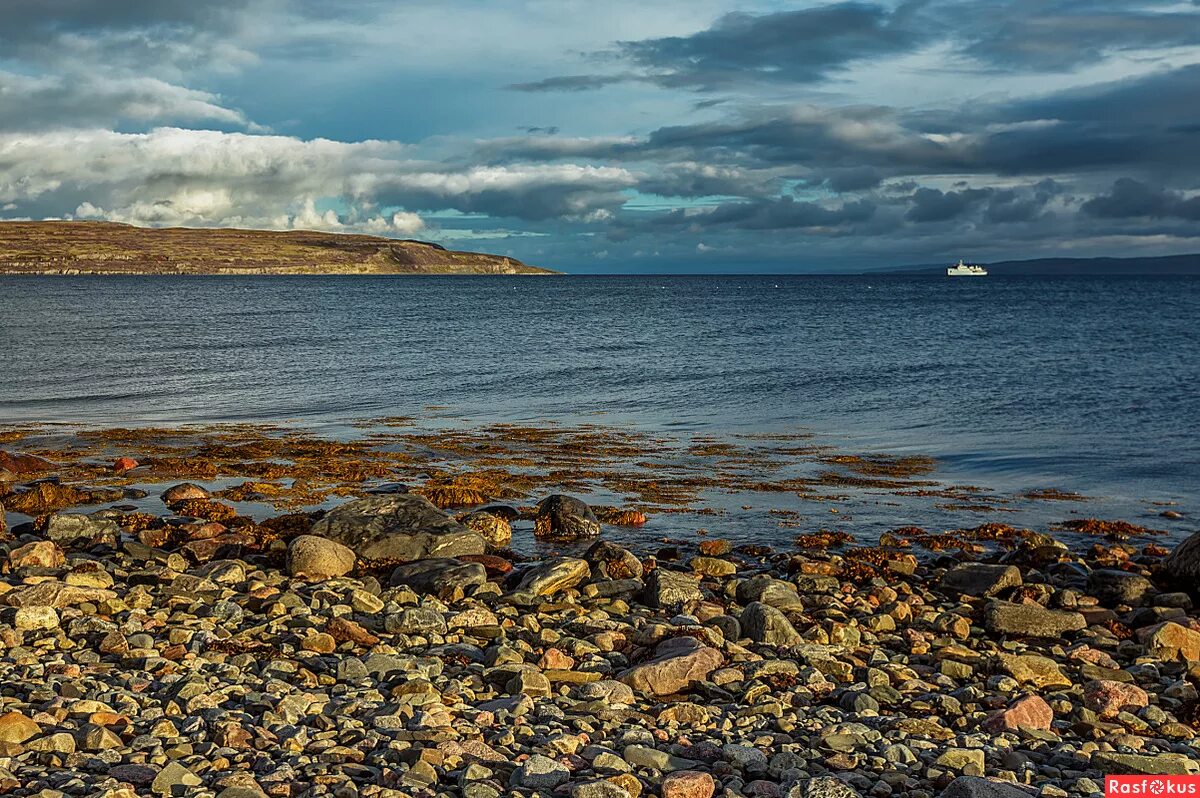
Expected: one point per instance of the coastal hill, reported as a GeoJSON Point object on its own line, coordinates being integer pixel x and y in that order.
{"type": "Point", "coordinates": [1072, 267]}
{"type": "Point", "coordinates": [55, 247]}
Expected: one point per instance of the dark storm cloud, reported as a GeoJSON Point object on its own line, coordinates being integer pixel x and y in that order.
{"type": "Point", "coordinates": [932, 205]}
{"type": "Point", "coordinates": [1131, 198]}
{"type": "Point", "coordinates": [1036, 35]}
{"type": "Point", "coordinates": [570, 83]}
{"type": "Point", "coordinates": [792, 46]}
{"type": "Point", "coordinates": [770, 214]}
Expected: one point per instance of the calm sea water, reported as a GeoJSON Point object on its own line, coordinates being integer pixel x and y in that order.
{"type": "Point", "coordinates": [1088, 384]}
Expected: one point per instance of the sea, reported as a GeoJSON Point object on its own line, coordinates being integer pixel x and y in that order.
{"type": "Point", "coordinates": [1081, 384]}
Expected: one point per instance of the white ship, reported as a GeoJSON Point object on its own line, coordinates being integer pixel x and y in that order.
{"type": "Point", "coordinates": [966, 270]}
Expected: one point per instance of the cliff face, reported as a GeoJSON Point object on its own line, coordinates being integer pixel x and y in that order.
{"type": "Point", "coordinates": [110, 248]}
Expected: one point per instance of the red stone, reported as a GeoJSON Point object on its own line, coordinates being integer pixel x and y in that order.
{"type": "Point", "coordinates": [1030, 711]}
{"type": "Point", "coordinates": [1108, 698]}
{"type": "Point", "coordinates": [495, 566]}
{"type": "Point", "coordinates": [556, 660]}
{"type": "Point", "coordinates": [20, 464]}
{"type": "Point", "coordinates": [123, 464]}
{"type": "Point", "coordinates": [688, 784]}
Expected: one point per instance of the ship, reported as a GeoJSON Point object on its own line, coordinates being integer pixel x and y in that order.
{"type": "Point", "coordinates": [966, 270]}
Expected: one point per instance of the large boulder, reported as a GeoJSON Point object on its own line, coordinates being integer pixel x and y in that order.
{"type": "Point", "coordinates": [677, 663]}
{"type": "Point", "coordinates": [762, 623]}
{"type": "Point", "coordinates": [317, 558]}
{"type": "Point", "coordinates": [436, 574]}
{"type": "Point", "coordinates": [979, 787]}
{"type": "Point", "coordinates": [1184, 562]}
{"type": "Point", "coordinates": [400, 526]}
{"type": "Point", "coordinates": [1030, 620]}
{"type": "Point", "coordinates": [565, 518]}
{"type": "Point", "coordinates": [553, 576]}
{"type": "Point", "coordinates": [184, 491]}
{"type": "Point", "coordinates": [20, 465]}
{"type": "Point", "coordinates": [1113, 587]}
{"type": "Point", "coordinates": [76, 530]}
{"type": "Point", "coordinates": [980, 579]}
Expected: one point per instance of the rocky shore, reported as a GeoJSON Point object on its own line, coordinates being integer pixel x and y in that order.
{"type": "Point", "coordinates": [395, 645]}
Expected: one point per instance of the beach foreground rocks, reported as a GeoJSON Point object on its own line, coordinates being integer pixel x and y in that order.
{"type": "Point", "coordinates": [378, 651]}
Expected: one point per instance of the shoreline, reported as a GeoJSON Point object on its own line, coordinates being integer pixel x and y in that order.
{"type": "Point", "coordinates": [394, 644]}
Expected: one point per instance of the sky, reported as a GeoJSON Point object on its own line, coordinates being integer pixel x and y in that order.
{"type": "Point", "coordinates": [619, 136]}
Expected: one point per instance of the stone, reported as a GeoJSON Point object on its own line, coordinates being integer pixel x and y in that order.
{"type": "Point", "coordinates": [643, 756]}
{"type": "Point", "coordinates": [39, 554]}
{"type": "Point", "coordinates": [763, 623]}
{"type": "Point", "coordinates": [15, 727]}
{"type": "Point", "coordinates": [416, 620]}
{"type": "Point", "coordinates": [1041, 672]}
{"type": "Point", "coordinates": [599, 789]}
{"type": "Point", "coordinates": [771, 591]}
{"type": "Point", "coordinates": [978, 787]}
{"type": "Point", "coordinates": [36, 619]}
{"type": "Point", "coordinates": [1030, 620]}
{"type": "Point", "coordinates": [677, 663]}
{"type": "Point", "coordinates": [1109, 698]}
{"type": "Point", "coordinates": [400, 526]}
{"type": "Point", "coordinates": [825, 787]}
{"type": "Point", "coordinates": [672, 589]}
{"type": "Point", "coordinates": [185, 491]}
{"type": "Point", "coordinates": [20, 464]}
{"type": "Point", "coordinates": [318, 559]}
{"type": "Point", "coordinates": [123, 464]}
{"type": "Point", "coordinates": [57, 595]}
{"type": "Point", "coordinates": [1030, 712]}
{"type": "Point", "coordinates": [75, 530]}
{"type": "Point", "coordinates": [1183, 563]}
{"type": "Point", "coordinates": [495, 531]}
{"type": "Point", "coordinates": [554, 576]}
{"type": "Point", "coordinates": [1113, 587]}
{"type": "Point", "coordinates": [712, 566]}
{"type": "Point", "coordinates": [968, 761]}
{"type": "Point", "coordinates": [562, 517]}
{"type": "Point", "coordinates": [174, 779]}
{"type": "Point", "coordinates": [1112, 763]}
{"type": "Point", "coordinates": [687, 784]}
{"type": "Point", "coordinates": [610, 561]}
{"type": "Point", "coordinates": [980, 579]}
{"type": "Point", "coordinates": [437, 574]}
{"type": "Point", "coordinates": [541, 773]}
{"type": "Point", "coordinates": [1171, 641]}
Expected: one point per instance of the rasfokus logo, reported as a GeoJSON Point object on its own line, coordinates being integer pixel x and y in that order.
{"type": "Point", "coordinates": [1151, 786]}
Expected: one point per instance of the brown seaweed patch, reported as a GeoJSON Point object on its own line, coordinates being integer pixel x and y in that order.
{"type": "Point", "coordinates": [884, 465]}
{"type": "Point", "coordinates": [823, 540]}
{"type": "Point", "coordinates": [1116, 530]}
{"type": "Point", "coordinates": [1054, 495]}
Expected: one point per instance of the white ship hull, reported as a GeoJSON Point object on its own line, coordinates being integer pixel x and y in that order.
{"type": "Point", "coordinates": [961, 269]}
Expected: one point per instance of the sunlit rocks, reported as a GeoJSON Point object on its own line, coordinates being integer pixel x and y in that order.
{"type": "Point", "coordinates": [554, 576]}
{"type": "Point", "coordinates": [1030, 620]}
{"type": "Point", "coordinates": [434, 574]}
{"type": "Point", "coordinates": [21, 465]}
{"type": "Point", "coordinates": [980, 579]}
{"type": "Point", "coordinates": [400, 526]}
{"type": "Point", "coordinates": [565, 518]}
{"type": "Point", "coordinates": [183, 492]}
{"type": "Point", "coordinates": [494, 530]}
{"type": "Point", "coordinates": [677, 664]}
{"type": "Point", "coordinates": [317, 558]}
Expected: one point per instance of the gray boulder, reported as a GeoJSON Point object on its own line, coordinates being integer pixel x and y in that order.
{"type": "Point", "coordinates": [1030, 620]}
{"type": "Point", "coordinates": [400, 526]}
{"type": "Point", "coordinates": [438, 573]}
{"type": "Point", "coordinates": [762, 623]}
{"type": "Point", "coordinates": [980, 579]}
{"type": "Point", "coordinates": [979, 787]}
{"type": "Point", "coordinates": [1113, 587]}
{"type": "Point", "coordinates": [565, 518]}
{"type": "Point", "coordinates": [1183, 564]}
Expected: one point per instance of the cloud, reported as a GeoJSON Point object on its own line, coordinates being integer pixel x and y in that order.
{"type": "Point", "coordinates": [769, 214]}
{"type": "Point", "coordinates": [85, 101]}
{"type": "Point", "coordinates": [1130, 198]}
{"type": "Point", "coordinates": [571, 83]}
{"type": "Point", "coordinates": [932, 205]}
{"type": "Point", "coordinates": [192, 177]}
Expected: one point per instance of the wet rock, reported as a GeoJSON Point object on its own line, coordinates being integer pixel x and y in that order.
{"type": "Point", "coordinates": [565, 518]}
{"type": "Point", "coordinates": [980, 579]}
{"type": "Point", "coordinates": [318, 559]}
{"type": "Point", "coordinates": [21, 465]}
{"type": "Point", "coordinates": [124, 464]}
{"type": "Point", "coordinates": [185, 491]}
{"type": "Point", "coordinates": [677, 663]}
{"type": "Point", "coordinates": [1030, 620]}
{"type": "Point", "coordinates": [438, 574]}
{"type": "Point", "coordinates": [763, 623]}
{"type": "Point", "coordinates": [554, 576]}
{"type": "Point", "coordinates": [610, 561]}
{"type": "Point", "coordinates": [400, 526]}
{"type": "Point", "coordinates": [712, 566]}
{"type": "Point", "coordinates": [1113, 587]}
{"type": "Point", "coordinates": [495, 531]}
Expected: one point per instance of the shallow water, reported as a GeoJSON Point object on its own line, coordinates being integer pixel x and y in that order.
{"type": "Point", "coordinates": [1018, 383]}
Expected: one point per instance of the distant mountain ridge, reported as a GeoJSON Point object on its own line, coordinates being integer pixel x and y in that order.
{"type": "Point", "coordinates": [111, 248]}
{"type": "Point", "coordinates": [1131, 267]}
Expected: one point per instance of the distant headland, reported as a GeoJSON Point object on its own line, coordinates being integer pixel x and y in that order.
{"type": "Point", "coordinates": [55, 247]}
